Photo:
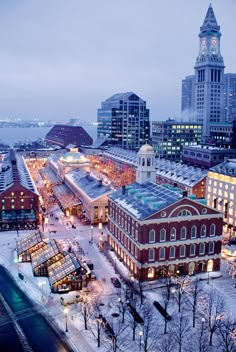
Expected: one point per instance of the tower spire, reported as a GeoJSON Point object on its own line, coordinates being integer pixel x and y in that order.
{"type": "Point", "coordinates": [210, 22]}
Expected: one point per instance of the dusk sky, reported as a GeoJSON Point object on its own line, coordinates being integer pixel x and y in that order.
{"type": "Point", "coordinates": [61, 58]}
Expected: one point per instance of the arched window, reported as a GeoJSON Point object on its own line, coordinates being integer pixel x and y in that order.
{"type": "Point", "coordinates": [151, 255]}
{"type": "Point", "coordinates": [211, 248]}
{"type": "Point", "coordinates": [182, 251]}
{"type": "Point", "coordinates": [203, 231]}
{"type": "Point", "coordinates": [183, 233]}
{"type": "Point", "coordinates": [143, 161]}
{"type": "Point", "coordinates": [151, 236]}
{"type": "Point", "coordinates": [162, 235]}
{"type": "Point", "coordinates": [172, 252]}
{"type": "Point", "coordinates": [184, 212]}
{"type": "Point", "coordinates": [173, 234]}
{"type": "Point", "coordinates": [202, 248]}
{"type": "Point", "coordinates": [192, 249]}
{"type": "Point", "coordinates": [193, 231]}
{"type": "Point", "coordinates": [212, 230]}
{"type": "Point", "coordinates": [162, 254]}
{"type": "Point", "coordinates": [148, 161]}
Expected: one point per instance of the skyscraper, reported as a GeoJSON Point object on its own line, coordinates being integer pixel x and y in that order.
{"type": "Point", "coordinates": [207, 90]}
{"type": "Point", "coordinates": [123, 120]}
{"type": "Point", "coordinates": [230, 97]}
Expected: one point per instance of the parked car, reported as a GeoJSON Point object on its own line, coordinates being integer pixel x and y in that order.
{"type": "Point", "coordinates": [116, 282]}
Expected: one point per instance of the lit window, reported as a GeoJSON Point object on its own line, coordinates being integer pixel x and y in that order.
{"type": "Point", "coordinates": [12, 194]}
{"type": "Point", "coordinates": [22, 200]}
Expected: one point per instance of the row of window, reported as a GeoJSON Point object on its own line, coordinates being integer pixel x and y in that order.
{"type": "Point", "coordinates": [182, 252]}
{"type": "Point", "coordinates": [183, 233]}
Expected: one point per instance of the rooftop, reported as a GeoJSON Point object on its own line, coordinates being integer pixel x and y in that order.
{"type": "Point", "coordinates": [144, 200]}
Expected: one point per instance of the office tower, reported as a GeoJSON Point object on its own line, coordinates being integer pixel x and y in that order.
{"type": "Point", "coordinates": [123, 120]}
{"type": "Point", "coordinates": [230, 97]}
{"type": "Point", "coordinates": [169, 137]}
{"type": "Point", "coordinates": [187, 103]}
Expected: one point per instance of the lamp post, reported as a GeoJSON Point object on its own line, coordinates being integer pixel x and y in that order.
{"type": "Point", "coordinates": [203, 321]}
{"type": "Point", "coordinates": [115, 265]}
{"type": "Point", "coordinates": [66, 312]}
{"type": "Point", "coordinates": [140, 339]}
{"type": "Point", "coordinates": [91, 233]}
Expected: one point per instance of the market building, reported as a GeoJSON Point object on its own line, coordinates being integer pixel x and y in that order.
{"type": "Point", "coordinates": [19, 197]}
{"type": "Point", "coordinates": [154, 229]}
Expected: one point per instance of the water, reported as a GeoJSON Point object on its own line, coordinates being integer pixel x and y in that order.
{"type": "Point", "coordinates": [14, 135]}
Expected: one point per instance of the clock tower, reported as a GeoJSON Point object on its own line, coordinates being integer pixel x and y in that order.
{"type": "Point", "coordinates": [209, 75]}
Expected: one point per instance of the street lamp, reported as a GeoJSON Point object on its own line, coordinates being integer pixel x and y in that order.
{"type": "Point", "coordinates": [41, 284]}
{"type": "Point", "coordinates": [91, 233]}
{"type": "Point", "coordinates": [66, 312]}
{"type": "Point", "coordinates": [203, 321]}
{"type": "Point", "coordinates": [140, 339]}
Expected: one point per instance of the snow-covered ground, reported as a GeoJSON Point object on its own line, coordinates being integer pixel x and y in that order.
{"type": "Point", "coordinates": [102, 288]}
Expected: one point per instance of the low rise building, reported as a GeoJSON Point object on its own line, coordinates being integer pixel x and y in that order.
{"type": "Point", "coordinates": [221, 193]}
{"type": "Point", "coordinates": [205, 156]}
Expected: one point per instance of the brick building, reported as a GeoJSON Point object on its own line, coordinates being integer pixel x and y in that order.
{"type": "Point", "coordinates": [19, 197]}
{"type": "Point", "coordinates": [154, 229]}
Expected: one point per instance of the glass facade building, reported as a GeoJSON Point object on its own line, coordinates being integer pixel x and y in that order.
{"type": "Point", "coordinates": [123, 120]}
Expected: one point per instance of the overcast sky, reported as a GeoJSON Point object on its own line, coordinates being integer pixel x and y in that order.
{"type": "Point", "coordinates": [60, 59]}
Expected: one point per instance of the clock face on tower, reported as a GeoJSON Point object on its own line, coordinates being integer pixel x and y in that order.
{"type": "Point", "coordinates": [203, 46]}
{"type": "Point", "coordinates": [214, 45]}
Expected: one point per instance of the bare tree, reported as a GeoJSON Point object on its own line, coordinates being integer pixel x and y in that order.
{"type": "Point", "coordinates": [132, 318]}
{"type": "Point", "coordinates": [150, 330]}
{"type": "Point", "coordinates": [166, 343]}
{"type": "Point", "coordinates": [227, 335]}
{"type": "Point", "coordinates": [195, 291]}
{"type": "Point", "coordinates": [213, 310]}
{"type": "Point", "coordinates": [85, 308]}
{"type": "Point", "coordinates": [183, 284]}
{"type": "Point", "coordinates": [180, 331]}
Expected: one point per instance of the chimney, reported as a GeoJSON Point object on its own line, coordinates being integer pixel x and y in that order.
{"type": "Point", "coordinates": [185, 194]}
{"type": "Point", "coordinates": [123, 189]}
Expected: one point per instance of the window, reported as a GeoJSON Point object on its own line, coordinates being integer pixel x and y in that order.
{"type": "Point", "coordinates": [162, 235]}
{"type": "Point", "coordinates": [184, 212]}
{"type": "Point", "coordinates": [182, 251]}
{"type": "Point", "coordinates": [173, 234]}
{"type": "Point", "coordinates": [193, 231]}
{"type": "Point", "coordinates": [183, 233]}
{"type": "Point", "coordinates": [211, 247]}
{"type": "Point", "coordinates": [172, 252]}
{"type": "Point", "coordinates": [151, 236]}
{"type": "Point", "coordinates": [192, 249]}
{"type": "Point", "coordinates": [203, 231]}
{"type": "Point", "coordinates": [151, 255]}
{"type": "Point", "coordinates": [162, 253]}
{"type": "Point", "coordinates": [202, 248]}
{"type": "Point", "coordinates": [212, 229]}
